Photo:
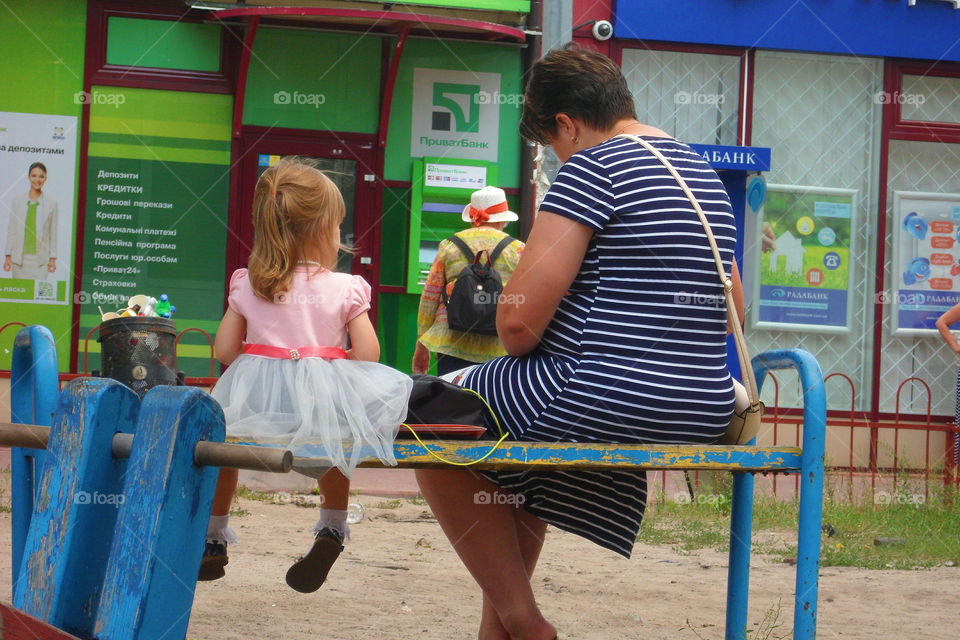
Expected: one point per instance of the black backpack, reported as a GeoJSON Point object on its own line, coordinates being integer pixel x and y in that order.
{"type": "Point", "coordinates": [472, 306]}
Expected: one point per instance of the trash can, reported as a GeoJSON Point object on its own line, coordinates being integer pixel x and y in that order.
{"type": "Point", "coordinates": [139, 351]}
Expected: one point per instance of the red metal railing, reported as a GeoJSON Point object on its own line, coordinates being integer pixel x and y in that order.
{"type": "Point", "coordinates": [873, 473]}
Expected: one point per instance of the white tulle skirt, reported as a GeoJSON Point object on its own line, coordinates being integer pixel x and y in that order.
{"type": "Point", "coordinates": [331, 411]}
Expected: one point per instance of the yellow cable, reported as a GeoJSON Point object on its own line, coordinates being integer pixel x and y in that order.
{"type": "Point", "coordinates": [496, 421]}
{"type": "Point", "coordinates": [451, 462]}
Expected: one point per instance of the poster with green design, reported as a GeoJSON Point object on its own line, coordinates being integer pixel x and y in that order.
{"type": "Point", "coordinates": [38, 156]}
{"type": "Point", "coordinates": [805, 271]}
{"type": "Point", "coordinates": [156, 211]}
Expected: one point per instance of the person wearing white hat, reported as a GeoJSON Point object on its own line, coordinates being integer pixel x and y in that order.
{"type": "Point", "coordinates": [488, 213]}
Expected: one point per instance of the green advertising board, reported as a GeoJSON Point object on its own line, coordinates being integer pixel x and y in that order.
{"type": "Point", "coordinates": [156, 210]}
{"type": "Point", "coordinates": [43, 75]}
{"type": "Point", "coordinates": [805, 271]}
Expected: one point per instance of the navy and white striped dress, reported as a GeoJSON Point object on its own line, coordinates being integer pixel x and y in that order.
{"type": "Point", "coordinates": [636, 352]}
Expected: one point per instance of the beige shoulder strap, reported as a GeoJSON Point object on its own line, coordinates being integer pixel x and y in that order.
{"type": "Point", "coordinates": [749, 381]}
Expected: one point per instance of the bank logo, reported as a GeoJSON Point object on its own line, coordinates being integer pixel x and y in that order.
{"type": "Point", "coordinates": [455, 104]}
{"type": "Point", "coordinates": [448, 118]}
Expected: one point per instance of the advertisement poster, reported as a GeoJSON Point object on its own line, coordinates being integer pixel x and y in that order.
{"type": "Point", "coordinates": [926, 270]}
{"type": "Point", "coordinates": [38, 156]}
{"type": "Point", "coordinates": [156, 211]}
{"type": "Point", "coordinates": [805, 270]}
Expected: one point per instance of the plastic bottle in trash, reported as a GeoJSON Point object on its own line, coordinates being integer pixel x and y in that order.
{"type": "Point", "coordinates": [354, 513]}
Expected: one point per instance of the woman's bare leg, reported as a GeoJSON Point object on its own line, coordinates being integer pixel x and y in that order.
{"type": "Point", "coordinates": [484, 535]}
{"type": "Point", "coordinates": [531, 532]}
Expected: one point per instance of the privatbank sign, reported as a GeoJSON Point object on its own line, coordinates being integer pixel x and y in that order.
{"type": "Point", "coordinates": [453, 115]}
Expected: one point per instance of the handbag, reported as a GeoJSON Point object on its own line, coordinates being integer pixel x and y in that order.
{"type": "Point", "coordinates": [748, 410]}
{"type": "Point", "coordinates": [436, 401]}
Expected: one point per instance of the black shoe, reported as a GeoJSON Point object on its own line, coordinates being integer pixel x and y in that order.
{"type": "Point", "coordinates": [213, 561]}
{"type": "Point", "coordinates": [309, 572]}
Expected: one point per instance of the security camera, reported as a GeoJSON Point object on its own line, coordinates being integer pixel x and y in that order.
{"type": "Point", "coordinates": [602, 30]}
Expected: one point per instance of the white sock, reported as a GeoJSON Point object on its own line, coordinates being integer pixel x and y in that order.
{"type": "Point", "coordinates": [219, 529]}
{"type": "Point", "coordinates": [335, 519]}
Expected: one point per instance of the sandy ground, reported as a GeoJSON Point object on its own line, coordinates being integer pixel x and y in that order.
{"type": "Point", "coordinates": [399, 579]}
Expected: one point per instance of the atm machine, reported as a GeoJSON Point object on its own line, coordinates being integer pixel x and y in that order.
{"type": "Point", "coordinates": [441, 189]}
{"type": "Point", "coordinates": [740, 169]}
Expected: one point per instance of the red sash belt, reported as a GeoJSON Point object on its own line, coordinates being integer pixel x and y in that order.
{"type": "Point", "coordinates": [330, 353]}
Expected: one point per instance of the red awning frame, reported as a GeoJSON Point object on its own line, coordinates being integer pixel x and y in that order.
{"type": "Point", "coordinates": [397, 23]}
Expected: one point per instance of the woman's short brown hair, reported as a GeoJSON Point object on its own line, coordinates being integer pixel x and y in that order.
{"type": "Point", "coordinates": [581, 83]}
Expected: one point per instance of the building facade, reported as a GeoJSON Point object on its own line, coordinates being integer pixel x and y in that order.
{"type": "Point", "coordinates": [154, 120]}
{"type": "Point", "coordinates": [859, 104]}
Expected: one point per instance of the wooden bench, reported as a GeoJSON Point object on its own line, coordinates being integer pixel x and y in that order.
{"type": "Point", "coordinates": [134, 591]}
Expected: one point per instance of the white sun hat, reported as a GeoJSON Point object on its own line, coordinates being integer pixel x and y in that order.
{"type": "Point", "coordinates": [488, 205]}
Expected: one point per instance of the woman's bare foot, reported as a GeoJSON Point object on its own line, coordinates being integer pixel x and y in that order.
{"type": "Point", "coordinates": [529, 629]}
{"type": "Point", "coordinates": [490, 626]}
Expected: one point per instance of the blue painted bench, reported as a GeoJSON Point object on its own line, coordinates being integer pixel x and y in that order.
{"type": "Point", "coordinates": [96, 568]}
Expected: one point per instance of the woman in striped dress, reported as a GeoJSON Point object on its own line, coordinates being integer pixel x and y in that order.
{"type": "Point", "coordinates": [615, 323]}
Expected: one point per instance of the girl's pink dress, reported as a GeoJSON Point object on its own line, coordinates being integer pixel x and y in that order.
{"type": "Point", "coordinates": [344, 409]}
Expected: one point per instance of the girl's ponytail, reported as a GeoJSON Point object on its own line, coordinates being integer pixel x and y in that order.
{"type": "Point", "coordinates": [294, 207]}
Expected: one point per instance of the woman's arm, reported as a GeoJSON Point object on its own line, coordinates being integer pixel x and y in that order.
{"type": "Point", "coordinates": [363, 339]}
{"type": "Point", "coordinates": [427, 311]}
{"type": "Point", "coordinates": [738, 300]}
{"type": "Point", "coordinates": [230, 335]}
{"type": "Point", "coordinates": [943, 326]}
{"type": "Point", "coordinates": [50, 232]}
{"type": "Point", "coordinates": [50, 237]}
{"type": "Point", "coordinates": [432, 290]}
{"type": "Point", "coordinates": [550, 262]}
{"type": "Point", "coordinates": [8, 242]}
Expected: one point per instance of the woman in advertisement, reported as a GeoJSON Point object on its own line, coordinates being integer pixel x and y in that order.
{"type": "Point", "coordinates": [30, 248]}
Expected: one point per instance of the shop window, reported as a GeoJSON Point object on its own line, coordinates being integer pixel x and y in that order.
{"type": "Point", "coordinates": [816, 114]}
{"type": "Point", "coordinates": [930, 99]}
{"type": "Point", "coordinates": [692, 96]}
{"type": "Point", "coordinates": [924, 176]}
{"type": "Point", "coordinates": [159, 44]}
{"type": "Point", "coordinates": [163, 44]}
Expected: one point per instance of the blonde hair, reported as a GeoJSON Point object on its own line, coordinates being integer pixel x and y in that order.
{"type": "Point", "coordinates": [296, 208]}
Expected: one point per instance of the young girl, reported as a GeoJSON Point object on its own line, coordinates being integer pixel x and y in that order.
{"type": "Point", "coordinates": [290, 381]}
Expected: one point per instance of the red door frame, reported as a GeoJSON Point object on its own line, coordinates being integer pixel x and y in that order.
{"type": "Point", "coordinates": [362, 148]}
{"type": "Point", "coordinates": [895, 128]}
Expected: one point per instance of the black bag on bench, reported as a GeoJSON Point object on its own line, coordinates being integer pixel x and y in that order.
{"type": "Point", "coordinates": [436, 401]}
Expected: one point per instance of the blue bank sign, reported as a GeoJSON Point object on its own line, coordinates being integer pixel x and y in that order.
{"type": "Point", "coordinates": [927, 29]}
{"type": "Point", "coordinates": [737, 158]}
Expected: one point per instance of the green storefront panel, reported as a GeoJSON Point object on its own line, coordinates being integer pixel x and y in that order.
{"type": "Point", "coordinates": [395, 226]}
{"type": "Point", "coordinates": [43, 74]}
{"type": "Point", "coordinates": [309, 80]}
{"type": "Point", "coordinates": [397, 329]}
{"type": "Point", "coordinates": [156, 218]}
{"type": "Point", "coordinates": [173, 45]}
